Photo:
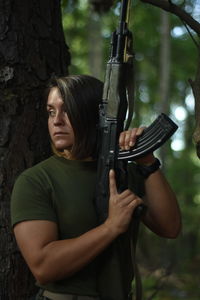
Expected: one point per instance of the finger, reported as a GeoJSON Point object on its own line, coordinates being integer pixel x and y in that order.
{"type": "Point", "coordinates": [127, 139]}
{"type": "Point", "coordinates": [112, 183]}
{"type": "Point", "coordinates": [127, 200]}
{"type": "Point", "coordinates": [139, 131]}
{"type": "Point", "coordinates": [135, 132]}
{"type": "Point", "coordinates": [126, 193]}
{"type": "Point", "coordinates": [135, 202]}
{"type": "Point", "coordinates": [122, 139]}
{"type": "Point", "coordinates": [133, 137]}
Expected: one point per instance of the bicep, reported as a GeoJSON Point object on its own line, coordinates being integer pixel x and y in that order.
{"type": "Point", "coordinates": [32, 236]}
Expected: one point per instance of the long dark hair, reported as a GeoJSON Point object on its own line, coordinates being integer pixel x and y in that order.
{"type": "Point", "coordinates": [82, 95]}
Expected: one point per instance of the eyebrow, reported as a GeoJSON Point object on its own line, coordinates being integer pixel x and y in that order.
{"type": "Point", "coordinates": [53, 106]}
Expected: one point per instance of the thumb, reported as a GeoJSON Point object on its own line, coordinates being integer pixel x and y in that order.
{"type": "Point", "coordinates": [112, 183]}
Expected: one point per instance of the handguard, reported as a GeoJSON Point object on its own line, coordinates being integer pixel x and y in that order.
{"type": "Point", "coordinates": [154, 136]}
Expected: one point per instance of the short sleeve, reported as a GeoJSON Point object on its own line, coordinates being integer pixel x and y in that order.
{"type": "Point", "coordinates": [31, 200]}
{"type": "Point", "coordinates": [135, 180]}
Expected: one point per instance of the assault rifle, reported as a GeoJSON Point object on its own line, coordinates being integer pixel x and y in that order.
{"type": "Point", "coordinates": [117, 100]}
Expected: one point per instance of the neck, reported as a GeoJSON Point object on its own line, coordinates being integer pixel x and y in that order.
{"type": "Point", "coordinates": [67, 154]}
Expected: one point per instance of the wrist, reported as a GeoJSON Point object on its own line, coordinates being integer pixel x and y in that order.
{"type": "Point", "coordinates": [146, 161]}
{"type": "Point", "coordinates": [148, 168]}
{"type": "Point", "coordinates": [112, 230]}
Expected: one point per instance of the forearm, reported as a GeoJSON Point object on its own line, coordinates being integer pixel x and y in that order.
{"type": "Point", "coordinates": [163, 214]}
{"type": "Point", "coordinates": [62, 258]}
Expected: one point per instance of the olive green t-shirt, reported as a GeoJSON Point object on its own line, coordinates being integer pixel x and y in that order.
{"type": "Point", "coordinates": [63, 191]}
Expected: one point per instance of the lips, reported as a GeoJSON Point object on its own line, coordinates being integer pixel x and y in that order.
{"type": "Point", "coordinates": [60, 133]}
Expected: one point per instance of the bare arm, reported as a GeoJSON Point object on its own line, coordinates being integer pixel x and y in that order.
{"type": "Point", "coordinates": [163, 213]}
{"type": "Point", "coordinates": [51, 259]}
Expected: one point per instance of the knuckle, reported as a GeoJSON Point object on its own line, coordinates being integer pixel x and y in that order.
{"type": "Point", "coordinates": [133, 130]}
{"type": "Point", "coordinates": [126, 193]}
{"type": "Point", "coordinates": [122, 135]}
{"type": "Point", "coordinates": [138, 200]}
{"type": "Point", "coordinates": [129, 192]}
{"type": "Point", "coordinates": [127, 137]}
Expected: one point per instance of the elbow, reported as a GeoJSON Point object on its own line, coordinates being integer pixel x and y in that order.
{"type": "Point", "coordinates": [168, 228]}
{"type": "Point", "coordinates": [41, 276]}
{"type": "Point", "coordinates": [171, 234]}
{"type": "Point", "coordinates": [41, 272]}
{"type": "Point", "coordinates": [41, 280]}
{"type": "Point", "coordinates": [176, 232]}
{"type": "Point", "coordinates": [176, 227]}
{"type": "Point", "coordinates": [45, 274]}
{"type": "Point", "coordinates": [173, 231]}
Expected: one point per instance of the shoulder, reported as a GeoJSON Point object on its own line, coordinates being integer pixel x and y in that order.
{"type": "Point", "coordinates": [31, 195]}
{"type": "Point", "coordinates": [39, 167]}
{"type": "Point", "coordinates": [34, 178]}
{"type": "Point", "coordinates": [38, 171]}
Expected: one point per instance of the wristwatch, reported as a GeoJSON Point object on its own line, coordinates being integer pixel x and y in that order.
{"type": "Point", "coordinates": [145, 171]}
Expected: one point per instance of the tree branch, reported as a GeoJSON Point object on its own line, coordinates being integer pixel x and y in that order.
{"type": "Point", "coordinates": [176, 10]}
{"type": "Point", "coordinates": [167, 5]}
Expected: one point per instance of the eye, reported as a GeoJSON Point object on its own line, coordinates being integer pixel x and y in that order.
{"type": "Point", "coordinates": [51, 113]}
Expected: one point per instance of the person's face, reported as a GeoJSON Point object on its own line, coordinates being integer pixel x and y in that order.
{"type": "Point", "coordinates": [60, 129]}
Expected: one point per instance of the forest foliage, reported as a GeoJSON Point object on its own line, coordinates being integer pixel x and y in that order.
{"type": "Point", "coordinates": [170, 268]}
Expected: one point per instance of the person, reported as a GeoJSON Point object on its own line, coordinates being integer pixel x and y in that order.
{"type": "Point", "coordinates": [53, 211]}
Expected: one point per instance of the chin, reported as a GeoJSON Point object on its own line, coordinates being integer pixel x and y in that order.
{"type": "Point", "coordinates": [61, 147]}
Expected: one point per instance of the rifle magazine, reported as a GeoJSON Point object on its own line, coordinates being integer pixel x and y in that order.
{"type": "Point", "coordinates": [153, 137]}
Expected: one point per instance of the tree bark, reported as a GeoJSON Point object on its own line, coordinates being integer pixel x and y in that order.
{"type": "Point", "coordinates": [32, 49]}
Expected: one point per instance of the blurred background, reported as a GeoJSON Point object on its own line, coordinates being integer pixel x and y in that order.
{"type": "Point", "coordinates": [166, 57]}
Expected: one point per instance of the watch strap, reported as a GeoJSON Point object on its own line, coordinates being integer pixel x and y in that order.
{"type": "Point", "coordinates": [145, 171]}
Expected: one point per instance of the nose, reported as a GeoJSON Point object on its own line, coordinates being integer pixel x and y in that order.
{"type": "Point", "coordinates": [59, 119]}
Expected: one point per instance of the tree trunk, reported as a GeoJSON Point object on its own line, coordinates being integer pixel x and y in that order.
{"type": "Point", "coordinates": [164, 63]}
{"type": "Point", "coordinates": [196, 91]}
{"type": "Point", "coordinates": [164, 82]}
{"type": "Point", "coordinates": [95, 41]}
{"type": "Point", "coordinates": [32, 49]}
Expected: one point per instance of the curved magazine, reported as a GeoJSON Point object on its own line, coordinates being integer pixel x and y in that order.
{"type": "Point", "coordinates": [152, 138]}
